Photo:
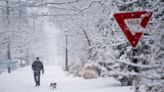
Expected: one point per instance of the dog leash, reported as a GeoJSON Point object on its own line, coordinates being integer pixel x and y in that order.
{"type": "Point", "coordinates": [46, 78]}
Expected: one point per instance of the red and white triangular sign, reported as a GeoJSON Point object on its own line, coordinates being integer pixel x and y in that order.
{"type": "Point", "coordinates": [128, 20]}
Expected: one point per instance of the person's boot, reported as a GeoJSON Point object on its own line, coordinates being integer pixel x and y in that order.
{"type": "Point", "coordinates": [36, 85]}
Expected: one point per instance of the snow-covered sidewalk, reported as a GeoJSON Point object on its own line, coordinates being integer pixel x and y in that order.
{"type": "Point", "coordinates": [22, 80]}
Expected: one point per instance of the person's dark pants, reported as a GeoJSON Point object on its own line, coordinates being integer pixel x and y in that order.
{"type": "Point", "coordinates": [37, 78]}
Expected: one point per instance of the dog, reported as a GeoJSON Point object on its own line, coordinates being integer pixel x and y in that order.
{"type": "Point", "coordinates": [53, 85]}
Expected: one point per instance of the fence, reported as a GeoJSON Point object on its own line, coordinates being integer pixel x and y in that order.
{"type": "Point", "coordinates": [8, 66]}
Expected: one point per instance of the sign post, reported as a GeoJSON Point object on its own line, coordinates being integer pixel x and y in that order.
{"type": "Point", "coordinates": [133, 24]}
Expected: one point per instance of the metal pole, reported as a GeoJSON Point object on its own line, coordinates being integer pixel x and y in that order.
{"type": "Point", "coordinates": [8, 45]}
{"type": "Point", "coordinates": [7, 11]}
{"type": "Point", "coordinates": [66, 59]}
{"type": "Point", "coordinates": [8, 58]}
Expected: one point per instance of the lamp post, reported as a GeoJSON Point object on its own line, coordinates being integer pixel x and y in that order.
{"type": "Point", "coordinates": [66, 49]}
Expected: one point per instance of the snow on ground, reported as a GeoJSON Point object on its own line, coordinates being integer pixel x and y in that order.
{"type": "Point", "coordinates": [22, 80]}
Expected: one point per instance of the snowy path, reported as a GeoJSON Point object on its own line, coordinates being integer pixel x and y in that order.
{"type": "Point", "coordinates": [21, 80]}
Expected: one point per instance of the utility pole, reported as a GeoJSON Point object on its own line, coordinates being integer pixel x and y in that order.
{"type": "Point", "coordinates": [8, 44]}
{"type": "Point", "coordinates": [8, 57]}
{"type": "Point", "coordinates": [66, 53]}
{"type": "Point", "coordinates": [7, 11]}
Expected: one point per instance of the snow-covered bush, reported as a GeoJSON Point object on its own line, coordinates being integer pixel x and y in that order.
{"type": "Point", "coordinates": [89, 74]}
{"type": "Point", "coordinates": [90, 71]}
{"type": "Point", "coordinates": [76, 68]}
{"type": "Point", "coordinates": [93, 70]}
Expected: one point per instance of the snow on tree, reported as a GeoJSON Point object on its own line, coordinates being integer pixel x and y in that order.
{"type": "Point", "coordinates": [94, 37]}
{"type": "Point", "coordinates": [95, 40]}
{"type": "Point", "coordinates": [79, 21]}
{"type": "Point", "coordinates": [91, 29]}
{"type": "Point", "coordinates": [143, 65]}
{"type": "Point", "coordinates": [18, 31]}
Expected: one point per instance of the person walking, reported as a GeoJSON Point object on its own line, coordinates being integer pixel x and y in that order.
{"type": "Point", "coordinates": [37, 67]}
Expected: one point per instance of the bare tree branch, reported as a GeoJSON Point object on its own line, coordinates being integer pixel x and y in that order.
{"type": "Point", "coordinates": [71, 14]}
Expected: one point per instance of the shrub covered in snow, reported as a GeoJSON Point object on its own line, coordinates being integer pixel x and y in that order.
{"type": "Point", "coordinates": [89, 74]}
{"type": "Point", "coordinates": [93, 70]}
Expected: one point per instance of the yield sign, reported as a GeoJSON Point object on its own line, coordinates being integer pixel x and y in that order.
{"type": "Point", "coordinates": [132, 24]}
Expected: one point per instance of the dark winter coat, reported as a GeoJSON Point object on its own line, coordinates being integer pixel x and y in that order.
{"type": "Point", "coordinates": [37, 66]}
